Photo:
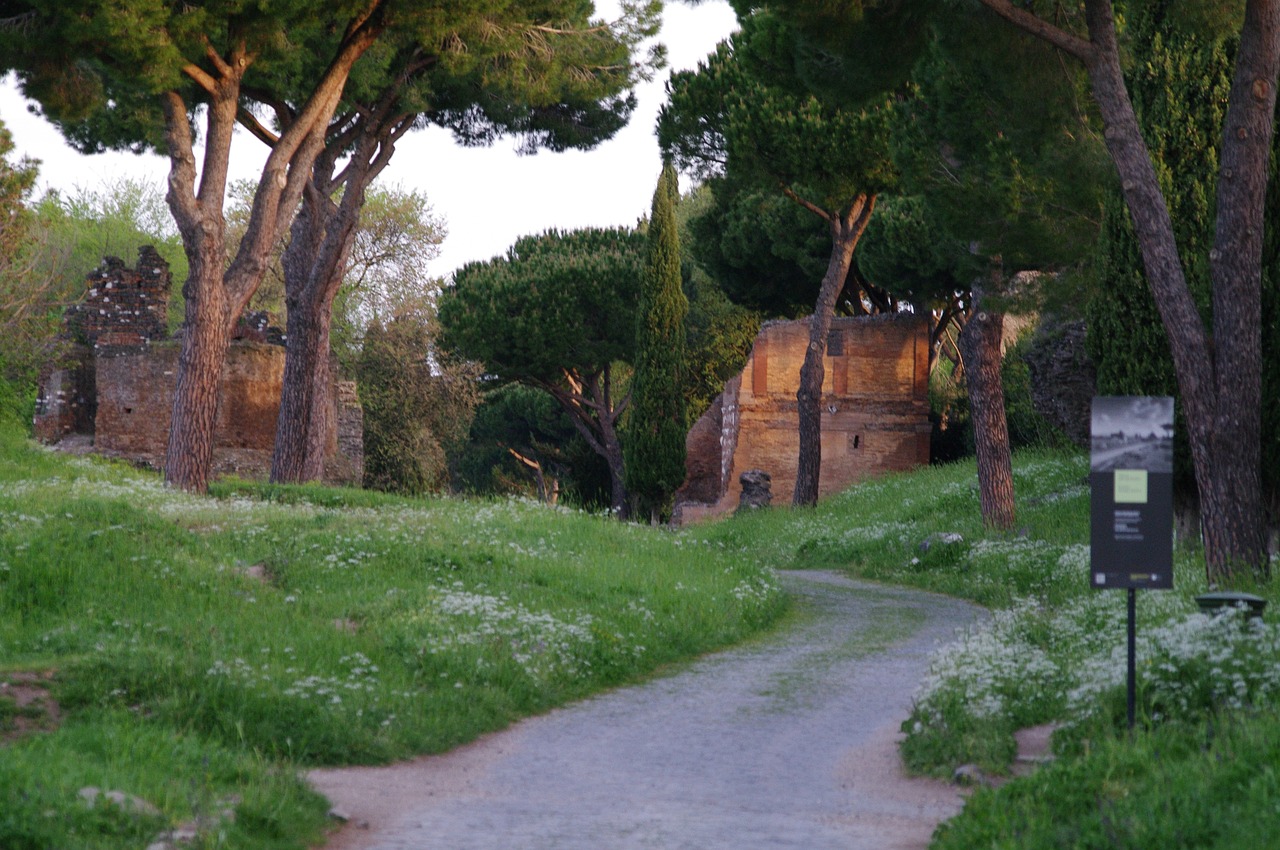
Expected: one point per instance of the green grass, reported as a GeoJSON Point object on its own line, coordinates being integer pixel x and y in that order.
{"type": "Point", "coordinates": [206, 648]}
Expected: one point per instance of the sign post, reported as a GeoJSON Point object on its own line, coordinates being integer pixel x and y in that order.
{"type": "Point", "coordinates": [1131, 507]}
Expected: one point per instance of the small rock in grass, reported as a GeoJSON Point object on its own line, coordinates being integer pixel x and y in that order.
{"type": "Point", "coordinates": [971, 774]}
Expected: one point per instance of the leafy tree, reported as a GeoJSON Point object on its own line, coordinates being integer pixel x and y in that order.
{"type": "Point", "coordinates": [744, 114]}
{"type": "Point", "coordinates": [906, 249]}
{"type": "Point", "coordinates": [387, 271]}
{"type": "Point", "coordinates": [74, 231]}
{"type": "Point", "coordinates": [655, 450]}
{"type": "Point", "coordinates": [544, 73]}
{"type": "Point", "coordinates": [522, 442]}
{"type": "Point", "coordinates": [19, 307]}
{"type": "Point", "coordinates": [557, 312]}
{"type": "Point", "coordinates": [418, 406]}
{"type": "Point", "coordinates": [1218, 364]}
{"type": "Point", "coordinates": [142, 75]}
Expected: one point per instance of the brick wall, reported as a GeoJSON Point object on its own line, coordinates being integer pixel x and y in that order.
{"type": "Point", "coordinates": [119, 387]}
{"type": "Point", "coordinates": [875, 415]}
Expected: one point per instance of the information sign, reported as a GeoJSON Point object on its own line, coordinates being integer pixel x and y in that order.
{"type": "Point", "coordinates": [1131, 475]}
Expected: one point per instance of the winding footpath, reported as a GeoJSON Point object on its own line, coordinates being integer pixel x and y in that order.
{"type": "Point", "coordinates": [789, 742]}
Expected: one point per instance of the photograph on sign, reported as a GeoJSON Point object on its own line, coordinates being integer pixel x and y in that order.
{"type": "Point", "coordinates": [1131, 476]}
{"type": "Point", "coordinates": [1132, 433]}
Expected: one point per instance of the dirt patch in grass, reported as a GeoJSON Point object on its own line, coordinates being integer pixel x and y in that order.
{"type": "Point", "coordinates": [26, 706]}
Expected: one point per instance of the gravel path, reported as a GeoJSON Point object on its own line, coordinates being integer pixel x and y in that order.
{"type": "Point", "coordinates": [785, 743]}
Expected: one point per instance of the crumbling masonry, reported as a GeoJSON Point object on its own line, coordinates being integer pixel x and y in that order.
{"type": "Point", "coordinates": [875, 412]}
{"type": "Point", "coordinates": [115, 388]}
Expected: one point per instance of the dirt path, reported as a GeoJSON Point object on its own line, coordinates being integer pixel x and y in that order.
{"type": "Point", "coordinates": [789, 743]}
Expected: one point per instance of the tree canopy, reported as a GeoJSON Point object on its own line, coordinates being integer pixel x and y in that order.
{"type": "Point", "coordinates": [557, 312]}
{"type": "Point", "coordinates": [746, 117]}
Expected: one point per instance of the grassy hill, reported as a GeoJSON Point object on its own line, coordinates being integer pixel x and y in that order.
{"type": "Point", "coordinates": [197, 651]}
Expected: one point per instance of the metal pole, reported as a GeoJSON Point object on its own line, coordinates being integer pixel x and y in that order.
{"type": "Point", "coordinates": [1133, 654]}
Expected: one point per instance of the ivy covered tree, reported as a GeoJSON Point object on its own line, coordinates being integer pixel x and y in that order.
{"type": "Point", "coordinates": [557, 312]}
{"type": "Point", "coordinates": [743, 114]}
{"type": "Point", "coordinates": [655, 445]}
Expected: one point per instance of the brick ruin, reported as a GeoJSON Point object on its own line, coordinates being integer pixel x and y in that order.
{"type": "Point", "coordinates": [115, 388]}
{"type": "Point", "coordinates": [875, 412]}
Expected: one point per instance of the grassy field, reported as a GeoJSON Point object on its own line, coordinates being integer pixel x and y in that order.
{"type": "Point", "coordinates": [203, 649]}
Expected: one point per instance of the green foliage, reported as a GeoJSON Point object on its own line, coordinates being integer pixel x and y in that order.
{"type": "Point", "coordinates": [517, 420]}
{"type": "Point", "coordinates": [743, 113]}
{"type": "Point", "coordinates": [907, 250]}
{"type": "Point", "coordinates": [997, 139]}
{"type": "Point", "coordinates": [783, 162]}
{"type": "Point", "coordinates": [23, 303]}
{"type": "Point", "coordinates": [417, 407]}
{"type": "Point", "coordinates": [720, 337]}
{"type": "Point", "coordinates": [765, 251]}
{"type": "Point", "coordinates": [654, 447]}
{"type": "Point", "coordinates": [113, 219]}
{"type": "Point", "coordinates": [1027, 428]}
{"type": "Point", "coordinates": [556, 301]}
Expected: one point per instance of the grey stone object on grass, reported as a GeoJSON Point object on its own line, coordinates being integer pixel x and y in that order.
{"type": "Point", "coordinates": [755, 490]}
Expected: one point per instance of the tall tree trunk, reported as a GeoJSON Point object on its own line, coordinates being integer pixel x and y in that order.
{"type": "Point", "coordinates": [619, 499]}
{"type": "Point", "coordinates": [846, 230]}
{"type": "Point", "coordinates": [207, 336]}
{"type": "Point", "coordinates": [980, 347]}
{"type": "Point", "coordinates": [216, 298]}
{"type": "Point", "coordinates": [315, 263]}
{"type": "Point", "coordinates": [1220, 381]}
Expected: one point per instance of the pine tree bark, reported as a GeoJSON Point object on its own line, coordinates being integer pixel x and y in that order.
{"type": "Point", "coordinates": [846, 230]}
{"type": "Point", "coordinates": [1219, 374]}
{"type": "Point", "coordinates": [214, 298]}
{"type": "Point", "coordinates": [315, 263]}
{"type": "Point", "coordinates": [980, 342]}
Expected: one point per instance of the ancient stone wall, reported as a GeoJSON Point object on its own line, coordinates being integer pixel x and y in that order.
{"type": "Point", "coordinates": [123, 306]}
{"type": "Point", "coordinates": [875, 415]}
{"type": "Point", "coordinates": [119, 386]}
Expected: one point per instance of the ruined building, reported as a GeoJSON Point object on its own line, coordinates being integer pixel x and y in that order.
{"type": "Point", "coordinates": [115, 389]}
{"type": "Point", "coordinates": [875, 412]}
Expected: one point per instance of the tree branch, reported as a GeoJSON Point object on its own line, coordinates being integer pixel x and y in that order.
{"type": "Point", "coordinates": [1080, 48]}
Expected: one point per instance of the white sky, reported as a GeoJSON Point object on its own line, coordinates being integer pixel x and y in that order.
{"type": "Point", "coordinates": [488, 197]}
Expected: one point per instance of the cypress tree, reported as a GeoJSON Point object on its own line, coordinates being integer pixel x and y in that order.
{"type": "Point", "coordinates": [654, 448]}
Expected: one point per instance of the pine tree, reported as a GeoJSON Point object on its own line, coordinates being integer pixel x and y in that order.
{"type": "Point", "coordinates": [1180, 84]}
{"type": "Point", "coordinates": [654, 448]}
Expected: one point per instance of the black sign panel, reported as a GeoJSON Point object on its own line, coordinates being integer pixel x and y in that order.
{"type": "Point", "coordinates": [1131, 474]}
